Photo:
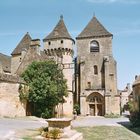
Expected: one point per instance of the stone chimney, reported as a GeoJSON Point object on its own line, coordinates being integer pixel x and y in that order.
{"type": "Point", "coordinates": [35, 44]}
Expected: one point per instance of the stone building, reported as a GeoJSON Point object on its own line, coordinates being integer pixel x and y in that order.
{"type": "Point", "coordinates": [125, 97]}
{"type": "Point", "coordinates": [97, 78]}
{"type": "Point", "coordinates": [58, 45]}
{"type": "Point", "coordinates": [136, 92]}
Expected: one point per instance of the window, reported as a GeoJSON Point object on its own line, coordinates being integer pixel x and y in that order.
{"type": "Point", "coordinates": [89, 85]}
{"type": "Point", "coordinates": [61, 41]}
{"type": "Point", "coordinates": [49, 43]}
{"type": "Point", "coordinates": [95, 69]}
{"type": "Point", "coordinates": [94, 46]}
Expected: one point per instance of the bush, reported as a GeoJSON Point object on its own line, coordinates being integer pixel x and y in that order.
{"type": "Point", "coordinates": [43, 129]}
{"type": "Point", "coordinates": [134, 114]}
{"type": "Point", "coordinates": [55, 133]}
{"type": "Point", "coordinates": [112, 115]}
{"type": "Point", "coordinates": [135, 118]}
{"type": "Point", "coordinates": [77, 108]}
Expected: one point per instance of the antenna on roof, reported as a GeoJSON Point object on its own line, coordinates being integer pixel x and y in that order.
{"type": "Point", "coordinates": [61, 17]}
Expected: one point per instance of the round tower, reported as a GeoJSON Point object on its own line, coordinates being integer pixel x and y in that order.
{"type": "Point", "coordinates": [58, 46]}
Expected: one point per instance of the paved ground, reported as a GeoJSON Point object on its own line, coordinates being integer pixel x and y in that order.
{"type": "Point", "coordinates": [99, 121]}
{"type": "Point", "coordinates": [9, 127]}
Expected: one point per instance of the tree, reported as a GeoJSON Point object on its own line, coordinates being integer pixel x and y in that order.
{"type": "Point", "coordinates": [47, 87]}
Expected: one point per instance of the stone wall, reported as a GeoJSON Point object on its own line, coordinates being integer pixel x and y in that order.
{"type": "Point", "coordinates": [136, 92]}
{"type": "Point", "coordinates": [62, 53]}
{"type": "Point", "coordinates": [10, 105]}
{"type": "Point", "coordinates": [106, 76]}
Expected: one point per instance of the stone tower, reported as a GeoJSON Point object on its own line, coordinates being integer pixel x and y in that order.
{"type": "Point", "coordinates": [97, 71]}
{"type": "Point", "coordinates": [19, 52]}
{"type": "Point", "coordinates": [58, 45]}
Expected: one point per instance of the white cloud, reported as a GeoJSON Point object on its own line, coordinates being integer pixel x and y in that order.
{"type": "Point", "coordinates": [115, 1]}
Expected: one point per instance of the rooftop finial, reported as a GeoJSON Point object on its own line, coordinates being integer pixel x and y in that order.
{"type": "Point", "coordinates": [61, 17]}
{"type": "Point", "coordinates": [93, 14]}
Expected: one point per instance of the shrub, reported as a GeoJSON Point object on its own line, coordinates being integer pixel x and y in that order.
{"type": "Point", "coordinates": [112, 115]}
{"type": "Point", "coordinates": [77, 108]}
{"type": "Point", "coordinates": [134, 114]}
{"type": "Point", "coordinates": [55, 133]}
{"type": "Point", "coordinates": [135, 118]}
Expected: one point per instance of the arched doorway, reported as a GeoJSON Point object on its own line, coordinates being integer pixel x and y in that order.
{"type": "Point", "coordinates": [96, 104]}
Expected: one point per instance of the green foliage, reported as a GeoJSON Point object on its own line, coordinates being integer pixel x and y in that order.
{"type": "Point", "coordinates": [43, 129]}
{"type": "Point", "coordinates": [23, 90]}
{"type": "Point", "coordinates": [135, 118]}
{"type": "Point", "coordinates": [47, 87]}
{"type": "Point", "coordinates": [112, 115]}
{"type": "Point", "coordinates": [134, 114]}
{"type": "Point", "coordinates": [77, 108]}
{"type": "Point", "coordinates": [131, 106]}
{"type": "Point", "coordinates": [55, 133]}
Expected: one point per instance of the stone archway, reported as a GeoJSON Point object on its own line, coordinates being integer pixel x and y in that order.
{"type": "Point", "coordinates": [96, 104]}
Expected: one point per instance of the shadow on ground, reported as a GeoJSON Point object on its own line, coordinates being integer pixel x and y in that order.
{"type": "Point", "coordinates": [129, 126]}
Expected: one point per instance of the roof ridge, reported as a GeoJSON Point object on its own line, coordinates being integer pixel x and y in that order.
{"type": "Point", "coordinates": [23, 44]}
{"type": "Point", "coordinates": [94, 29]}
{"type": "Point", "coordinates": [60, 31]}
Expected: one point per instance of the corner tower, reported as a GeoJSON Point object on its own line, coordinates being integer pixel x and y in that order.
{"type": "Point", "coordinates": [19, 52]}
{"type": "Point", "coordinates": [58, 45]}
{"type": "Point", "coordinates": [97, 71]}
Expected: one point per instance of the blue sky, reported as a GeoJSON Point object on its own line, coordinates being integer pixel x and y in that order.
{"type": "Point", "coordinates": [38, 17]}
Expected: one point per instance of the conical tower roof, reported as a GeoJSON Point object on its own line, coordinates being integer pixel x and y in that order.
{"type": "Point", "coordinates": [23, 44]}
{"type": "Point", "coordinates": [94, 29]}
{"type": "Point", "coordinates": [59, 32]}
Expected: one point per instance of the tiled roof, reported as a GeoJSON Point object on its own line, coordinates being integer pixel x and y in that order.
{"type": "Point", "coordinates": [24, 44]}
{"type": "Point", "coordinates": [6, 62]}
{"type": "Point", "coordinates": [94, 29]}
{"type": "Point", "coordinates": [59, 32]}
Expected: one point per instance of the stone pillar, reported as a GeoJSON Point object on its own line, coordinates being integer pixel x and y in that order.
{"type": "Point", "coordinates": [83, 104]}
{"type": "Point", "coordinates": [96, 109]}
{"type": "Point", "coordinates": [88, 109]}
{"type": "Point", "coordinates": [107, 104]}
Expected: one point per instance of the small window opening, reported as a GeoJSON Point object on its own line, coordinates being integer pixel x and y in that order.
{"type": "Point", "coordinates": [89, 85]}
{"type": "Point", "coordinates": [49, 43]}
{"type": "Point", "coordinates": [94, 46]}
{"type": "Point", "coordinates": [61, 41]}
{"type": "Point", "coordinates": [95, 70]}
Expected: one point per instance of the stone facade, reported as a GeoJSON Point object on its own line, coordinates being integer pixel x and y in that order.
{"type": "Point", "coordinates": [125, 96]}
{"type": "Point", "coordinates": [97, 72]}
{"type": "Point", "coordinates": [10, 105]}
{"type": "Point", "coordinates": [136, 92]}
{"type": "Point", "coordinates": [95, 80]}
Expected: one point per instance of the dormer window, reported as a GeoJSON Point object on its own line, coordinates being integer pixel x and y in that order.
{"type": "Point", "coordinates": [94, 46]}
